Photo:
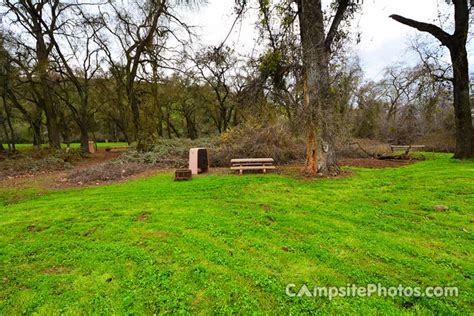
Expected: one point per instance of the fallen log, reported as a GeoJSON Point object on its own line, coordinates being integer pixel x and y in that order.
{"type": "Point", "coordinates": [402, 156]}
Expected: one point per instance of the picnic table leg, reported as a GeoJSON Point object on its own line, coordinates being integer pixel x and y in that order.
{"type": "Point", "coordinates": [264, 170]}
{"type": "Point", "coordinates": [408, 150]}
{"type": "Point", "coordinates": [241, 171]}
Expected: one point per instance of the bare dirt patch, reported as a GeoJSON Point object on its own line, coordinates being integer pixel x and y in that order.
{"type": "Point", "coordinates": [88, 171]}
{"type": "Point", "coordinates": [89, 231]}
{"type": "Point", "coordinates": [142, 217]}
{"type": "Point", "coordinates": [101, 169]}
{"type": "Point", "coordinates": [56, 270]}
{"type": "Point", "coordinates": [34, 229]}
{"type": "Point", "coordinates": [375, 163]}
{"type": "Point", "coordinates": [158, 233]}
{"type": "Point", "coordinates": [63, 183]}
{"type": "Point", "coordinates": [106, 171]}
{"type": "Point", "coordinates": [38, 164]}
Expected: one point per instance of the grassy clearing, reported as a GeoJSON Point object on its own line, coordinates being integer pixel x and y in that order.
{"type": "Point", "coordinates": [72, 145]}
{"type": "Point", "coordinates": [222, 244]}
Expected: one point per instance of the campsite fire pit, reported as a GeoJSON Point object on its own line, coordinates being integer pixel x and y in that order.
{"type": "Point", "coordinates": [183, 174]}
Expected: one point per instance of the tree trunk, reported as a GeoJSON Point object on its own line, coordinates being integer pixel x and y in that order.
{"type": "Point", "coordinates": [311, 154]}
{"type": "Point", "coordinates": [5, 131]}
{"type": "Point", "coordinates": [84, 139]}
{"type": "Point", "coordinates": [462, 108]}
{"type": "Point", "coordinates": [52, 126]}
{"type": "Point", "coordinates": [168, 125]}
{"type": "Point", "coordinates": [37, 137]}
{"type": "Point", "coordinates": [10, 125]}
{"type": "Point", "coordinates": [83, 121]}
{"type": "Point", "coordinates": [156, 101]}
{"type": "Point", "coordinates": [47, 104]}
{"type": "Point", "coordinates": [46, 97]}
{"type": "Point", "coordinates": [160, 123]}
{"type": "Point", "coordinates": [190, 126]}
{"type": "Point", "coordinates": [133, 103]}
{"type": "Point", "coordinates": [319, 110]}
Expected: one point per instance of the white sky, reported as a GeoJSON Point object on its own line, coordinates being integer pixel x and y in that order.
{"type": "Point", "coordinates": [384, 41]}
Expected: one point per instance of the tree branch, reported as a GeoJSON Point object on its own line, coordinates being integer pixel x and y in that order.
{"type": "Point", "coordinates": [434, 30]}
{"type": "Point", "coordinates": [341, 9]}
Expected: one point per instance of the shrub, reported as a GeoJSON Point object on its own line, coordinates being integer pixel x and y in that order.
{"type": "Point", "coordinates": [168, 153]}
{"type": "Point", "coordinates": [439, 141]}
{"type": "Point", "coordinates": [275, 141]}
{"type": "Point", "coordinates": [245, 141]}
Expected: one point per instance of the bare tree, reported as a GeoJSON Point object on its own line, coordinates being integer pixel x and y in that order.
{"type": "Point", "coordinates": [21, 89]}
{"type": "Point", "coordinates": [6, 76]}
{"type": "Point", "coordinates": [39, 19]}
{"type": "Point", "coordinates": [77, 61]}
{"type": "Point", "coordinates": [136, 32]}
{"type": "Point", "coordinates": [22, 95]}
{"type": "Point", "coordinates": [456, 43]}
{"type": "Point", "coordinates": [215, 66]}
{"type": "Point", "coordinates": [399, 85]}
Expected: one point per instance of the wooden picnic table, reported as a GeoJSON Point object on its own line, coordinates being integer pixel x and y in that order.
{"type": "Point", "coordinates": [242, 164]}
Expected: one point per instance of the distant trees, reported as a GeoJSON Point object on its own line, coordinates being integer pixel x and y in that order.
{"type": "Point", "coordinates": [369, 114]}
{"type": "Point", "coordinates": [135, 32]}
{"type": "Point", "coordinates": [19, 94]}
{"type": "Point", "coordinates": [122, 71]}
{"type": "Point", "coordinates": [407, 106]}
{"type": "Point", "coordinates": [57, 61]}
{"type": "Point", "coordinates": [216, 67]}
{"type": "Point", "coordinates": [62, 52]}
{"type": "Point", "coordinates": [76, 60]}
{"type": "Point", "coordinates": [6, 76]}
{"type": "Point", "coordinates": [456, 43]}
{"type": "Point", "coordinates": [39, 20]}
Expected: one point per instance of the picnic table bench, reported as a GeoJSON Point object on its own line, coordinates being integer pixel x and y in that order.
{"type": "Point", "coordinates": [252, 164]}
{"type": "Point", "coordinates": [407, 148]}
{"type": "Point", "coordinates": [116, 149]}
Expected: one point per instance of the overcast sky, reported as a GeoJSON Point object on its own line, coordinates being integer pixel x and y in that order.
{"type": "Point", "coordinates": [384, 41]}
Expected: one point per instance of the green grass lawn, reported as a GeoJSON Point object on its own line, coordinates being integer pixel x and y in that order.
{"type": "Point", "coordinates": [223, 244]}
{"type": "Point", "coordinates": [72, 145]}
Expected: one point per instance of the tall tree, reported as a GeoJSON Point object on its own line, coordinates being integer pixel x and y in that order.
{"type": "Point", "coordinates": [456, 44]}
{"type": "Point", "coordinates": [136, 29]}
{"type": "Point", "coordinates": [320, 111]}
{"type": "Point", "coordinates": [75, 34]}
{"type": "Point", "coordinates": [215, 66]}
{"type": "Point", "coordinates": [133, 30]}
{"type": "Point", "coordinates": [24, 91]}
{"type": "Point", "coordinates": [6, 75]}
{"type": "Point", "coordinates": [39, 19]}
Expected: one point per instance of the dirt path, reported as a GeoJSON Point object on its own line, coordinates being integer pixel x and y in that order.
{"type": "Point", "coordinates": [56, 179]}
